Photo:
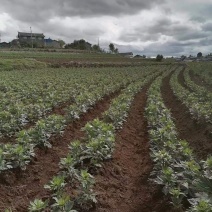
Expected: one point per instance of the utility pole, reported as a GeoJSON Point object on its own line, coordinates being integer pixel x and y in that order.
{"type": "Point", "coordinates": [31, 36]}
{"type": "Point", "coordinates": [0, 37]}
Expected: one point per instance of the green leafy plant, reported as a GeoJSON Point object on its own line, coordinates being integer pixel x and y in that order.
{"type": "Point", "coordinates": [63, 204]}
{"type": "Point", "coordinates": [37, 205]}
{"type": "Point", "coordinates": [86, 196]}
{"type": "Point", "coordinates": [176, 197]}
{"type": "Point", "coordinates": [56, 184]}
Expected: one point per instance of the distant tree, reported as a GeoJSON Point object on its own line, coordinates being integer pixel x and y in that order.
{"type": "Point", "coordinates": [199, 54]}
{"type": "Point", "coordinates": [25, 44]}
{"type": "Point", "coordinates": [96, 47]}
{"type": "Point", "coordinates": [116, 51]}
{"type": "Point", "coordinates": [137, 56]}
{"type": "Point", "coordinates": [159, 57]}
{"type": "Point", "coordinates": [79, 44]}
{"type": "Point", "coordinates": [140, 56]}
{"type": "Point", "coordinates": [183, 57]}
{"type": "Point", "coordinates": [111, 47]}
{"type": "Point", "coordinates": [61, 42]}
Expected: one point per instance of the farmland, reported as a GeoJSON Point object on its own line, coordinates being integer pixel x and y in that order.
{"type": "Point", "coordinates": [88, 132]}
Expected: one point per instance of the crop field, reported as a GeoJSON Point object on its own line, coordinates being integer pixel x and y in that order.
{"type": "Point", "coordinates": [132, 138]}
{"type": "Point", "coordinates": [60, 57]}
{"type": "Point", "coordinates": [55, 57]}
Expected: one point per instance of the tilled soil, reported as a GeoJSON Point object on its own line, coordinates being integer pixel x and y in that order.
{"type": "Point", "coordinates": [19, 187]}
{"type": "Point", "coordinates": [197, 134]}
{"type": "Point", "coordinates": [122, 184]}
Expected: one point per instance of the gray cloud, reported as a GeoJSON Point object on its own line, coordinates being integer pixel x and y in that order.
{"type": "Point", "coordinates": [207, 27]}
{"type": "Point", "coordinates": [198, 19]}
{"type": "Point", "coordinates": [139, 36]}
{"type": "Point", "coordinates": [179, 30]}
{"type": "Point", "coordinates": [33, 11]}
{"type": "Point", "coordinates": [166, 27]}
{"type": "Point", "coordinates": [174, 48]}
{"type": "Point", "coordinates": [167, 49]}
{"type": "Point", "coordinates": [149, 27]}
{"type": "Point", "coordinates": [72, 33]}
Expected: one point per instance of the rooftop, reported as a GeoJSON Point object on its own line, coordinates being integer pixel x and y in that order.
{"type": "Point", "coordinates": [26, 34]}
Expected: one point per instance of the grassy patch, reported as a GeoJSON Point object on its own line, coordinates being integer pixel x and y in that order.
{"type": "Point", "coordinates": [20, 64]}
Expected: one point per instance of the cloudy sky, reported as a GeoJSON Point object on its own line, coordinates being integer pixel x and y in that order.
{"type": "Point", "coordinates": [168, 27]}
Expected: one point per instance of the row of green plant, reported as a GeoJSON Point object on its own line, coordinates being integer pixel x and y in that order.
{"type": "Point", "coordinates": [75, 170]}
{"type": "Point", "coordinates": [201, 92]}
{"type": "Point", "coordinates": [203, 71]}
{"type": "Point", "coordinates": [87, 155]}
{"type": "Point", "coordinates": [26, 98]}
{"type": "Point", "coordinates": [182, 176]}
{"type": "Point", "coordinates": [118, 111]}
{"type": "Point", "coordinates": [199, 109]}
{"type": "Point", "coordinates": [20, 154]}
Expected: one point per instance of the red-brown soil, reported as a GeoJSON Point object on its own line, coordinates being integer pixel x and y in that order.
{"type": "Point", "coordinates": [122, 184]}
{"type": "Point", "coordinates": [197, 134]}
{"type": "Point", "coordinates": [18, 188]}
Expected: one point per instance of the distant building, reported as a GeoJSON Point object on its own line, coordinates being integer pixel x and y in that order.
{"type": "Point", "coordinates": [38, 40]}
{"type": "Point", "coordinates": [28, 39]}
{"type": "Point", "coordinates": [127, 54]}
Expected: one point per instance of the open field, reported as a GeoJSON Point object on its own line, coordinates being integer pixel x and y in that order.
{"type": "Point", "coordinates": [54, 57]}
{"type": "Point", "coordinates": [60, 57]}
{"type": "Point", "coordinates": [104, 139]}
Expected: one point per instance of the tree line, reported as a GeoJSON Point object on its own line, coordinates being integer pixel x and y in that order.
{"type": "Point", "coordinates": [84, 45]}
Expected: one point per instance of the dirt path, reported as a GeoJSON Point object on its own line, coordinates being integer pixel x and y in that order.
{"type": "Point", "coordinates": [122, 184]}
{"type": "Point", "coordinates": [18, 188]}
{"type": "Point", "coordinates": [198, 135]}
